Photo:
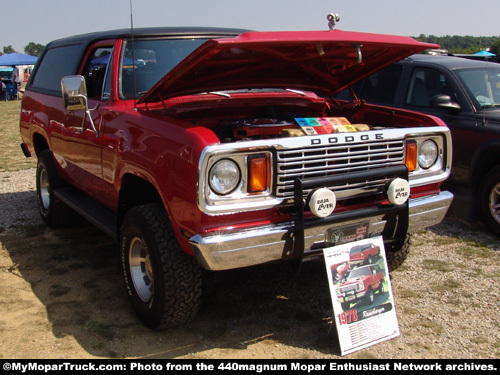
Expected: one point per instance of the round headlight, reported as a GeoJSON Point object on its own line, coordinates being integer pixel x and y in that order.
{"type": "Point", "coordinates": [427, 154]}
{"type": "Point", "coordinates": [224, 176]}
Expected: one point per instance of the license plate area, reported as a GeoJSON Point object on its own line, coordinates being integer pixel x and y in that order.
{"type": "Point", "coordinates": [345, 234]}
{"type": "Point", "coordinates": [396, 213]}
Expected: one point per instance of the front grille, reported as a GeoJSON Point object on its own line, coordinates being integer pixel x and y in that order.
{"type": "Point", "coordinates": [347, 288]}
{"type": "Point", "coordinates": [322, 161]}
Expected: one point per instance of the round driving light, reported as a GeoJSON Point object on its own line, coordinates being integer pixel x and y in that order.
{"type": "Point", "coordinates": [322, 202]}
{"type": "Point", "coordinates": [398, 191]}
{"type": "Point", "coordinates": [224, 176]}
{"type": "Point", "coordinates": [427, 154]}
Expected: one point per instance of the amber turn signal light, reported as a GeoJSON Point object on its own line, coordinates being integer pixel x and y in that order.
{"type": "Point", "coordinates": [411, 155]}
{"type": "Point", "coordinates": [259, 173]}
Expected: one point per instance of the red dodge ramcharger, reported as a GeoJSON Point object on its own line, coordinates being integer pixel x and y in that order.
{"type": "Point", "coordinates": [361, 284]}
{"type": "Point", "coordinates": [363, 254]}
{"type": "Point", "coordinates": [206, 148]}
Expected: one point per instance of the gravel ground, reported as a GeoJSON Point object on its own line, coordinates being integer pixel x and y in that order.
{"type": "Point", "coordinates": [446, 296]}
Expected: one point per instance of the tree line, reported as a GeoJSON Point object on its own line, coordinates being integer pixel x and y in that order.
{"type": "Point", "coordinates": [464, 44]}
{"type": "Point", "coordinates": [33, 49]}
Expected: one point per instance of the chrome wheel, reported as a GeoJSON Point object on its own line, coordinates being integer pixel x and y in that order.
{"type": "Point", "coordinates": [494, 202]}
{"type": "Point", "coordinates": [44, 189]}
{"type": "Point", "coordinates": [163, 282]}
{"type": "Point", "coordinates": [141, 269]}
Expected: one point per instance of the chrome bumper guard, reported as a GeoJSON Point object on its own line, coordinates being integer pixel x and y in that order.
{"type": "Point", "coordinates": [300, 238]}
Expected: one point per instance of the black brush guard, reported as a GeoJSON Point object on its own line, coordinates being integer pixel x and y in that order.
{"type": "Point", "coordinates": [396, 216]}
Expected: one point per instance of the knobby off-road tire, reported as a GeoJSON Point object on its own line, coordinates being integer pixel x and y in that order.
{"type": "Point", "coordinates": [380, 289]}
{"type": "Point", "coordinates": [53, 211]}
{"type": "Point", "coordinates": [370, 297]}
{"type": "Point", "coordinates": [345, 306]}
{"type": "Point", "coordinates": [489, 200]}
{"type": "Point", "coordinates": [397, 253]}
{"type": "Point", "coordinates": [162, 281]}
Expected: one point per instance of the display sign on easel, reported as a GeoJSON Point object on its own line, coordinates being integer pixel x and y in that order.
{"type": "Point", "coordinates": [361, 293]}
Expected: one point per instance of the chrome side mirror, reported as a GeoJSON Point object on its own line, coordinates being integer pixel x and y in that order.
{"type": "Point", "coordinates": [74, 92]}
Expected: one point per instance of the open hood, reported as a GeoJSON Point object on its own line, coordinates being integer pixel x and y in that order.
{"type": "Point", "coordinates": [324, 62]}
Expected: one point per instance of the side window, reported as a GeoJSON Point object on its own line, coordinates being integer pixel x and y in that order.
{"type": "Point", "coordinates": [57, 63]}
{"type": "Point", "coordinates": [426, 83]}
{"type": "Point", "coordinates": [380, 88]}
{"type": "Point", "coordinates": [96, 73]}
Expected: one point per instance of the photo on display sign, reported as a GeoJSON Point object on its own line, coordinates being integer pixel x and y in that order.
{"type": "Point", "coordinates": [361, 294]}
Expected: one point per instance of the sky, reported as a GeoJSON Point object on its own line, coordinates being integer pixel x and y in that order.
{"type": "Point", "coordinates": [41, 21]}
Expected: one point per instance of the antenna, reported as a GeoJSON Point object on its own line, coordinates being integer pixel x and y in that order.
{"type": "Point", "coordinates": [133, 51]}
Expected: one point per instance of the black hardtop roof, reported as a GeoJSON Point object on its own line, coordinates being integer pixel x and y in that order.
{"type": "Point", "coordinates": [449, 62]}
{"type": "Point", "coordinates": [212, 32]}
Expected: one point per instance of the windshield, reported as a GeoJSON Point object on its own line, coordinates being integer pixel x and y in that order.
{"type": "Point", "coordinates": [483, 84]}
{"type": "Point", "coordinates": [355, 249]}
{"type": "Point", "coordinates": [149, 61]}
{"type": "Point", "coordinates": [358, 272]}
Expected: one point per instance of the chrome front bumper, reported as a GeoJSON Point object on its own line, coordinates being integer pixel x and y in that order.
{"type": "Point", "coordinates": [270, 243]}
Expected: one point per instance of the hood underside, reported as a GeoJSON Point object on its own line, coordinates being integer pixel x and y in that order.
{"type": "Point", "coordinates": [324, 62]}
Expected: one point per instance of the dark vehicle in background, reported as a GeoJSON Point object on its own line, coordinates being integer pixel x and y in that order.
{"type": "Point", "coordinates": [465, 94]}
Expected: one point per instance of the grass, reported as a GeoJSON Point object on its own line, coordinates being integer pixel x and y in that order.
{"type": "Point", "coordinates": [11, 157]}
{"type": "Point", "coordinates": [101, 329]}
{"type": "Point", "coordinates": [436, 328]}
{"type": "Point", "coordinates": [438, 265]}
{"type": "Point", "coordinates": [409, 293]}
{"type": "Point", "coordinates": [475, 250]}
{"type": "Point", "coordinates": [447, 286]}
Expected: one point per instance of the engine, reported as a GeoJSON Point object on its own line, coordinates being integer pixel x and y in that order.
{"type": "Point", "coordinates": [265, 128]}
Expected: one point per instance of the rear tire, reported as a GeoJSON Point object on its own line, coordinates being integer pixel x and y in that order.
{"type": "Point", "coordinates": [53, 211]}
{"type": "Point", "coordinates": [162, 281]}
{"type": "Point", "coordinates": [489, 200]}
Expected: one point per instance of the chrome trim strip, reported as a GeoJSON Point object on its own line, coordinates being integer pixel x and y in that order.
{"type": "Point", "coordinates": [266, 244]}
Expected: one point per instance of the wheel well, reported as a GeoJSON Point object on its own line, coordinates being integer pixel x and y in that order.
{"type": "Point", "coordinates": [135, 191]}
{"type": "Point", "coordinates": [487, 160]}
{"type": "Point", "coordinates": [40, 143]}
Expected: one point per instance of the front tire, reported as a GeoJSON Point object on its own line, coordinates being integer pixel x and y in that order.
{"type": "Point", "coordinates": [489, 200]}
{"type": "Point", "coordinates": [162, 281]}
{"type": "Point", "coordinates": [396, 253]}
{"type": "Point", "coordinates": [370, 297]}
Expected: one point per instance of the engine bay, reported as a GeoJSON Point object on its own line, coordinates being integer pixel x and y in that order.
{"type": "Point", "coordinates": [266, 128]}
{"type": "Point", "coordinates": [234, 120]}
